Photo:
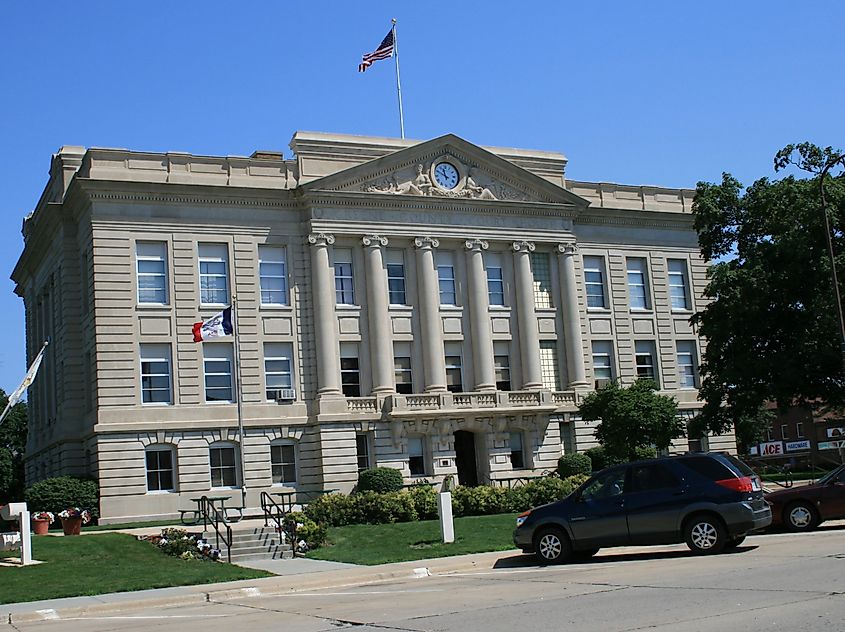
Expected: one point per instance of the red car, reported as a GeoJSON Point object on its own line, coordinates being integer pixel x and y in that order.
{"type": "Point", "coordinates": [804, 508]}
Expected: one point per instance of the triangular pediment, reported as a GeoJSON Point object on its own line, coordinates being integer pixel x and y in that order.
{"type": "Point", "coordinates": [473, 173]}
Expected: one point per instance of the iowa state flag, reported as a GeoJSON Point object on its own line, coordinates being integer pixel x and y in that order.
{"type": "Point", "coordinates": [218, 325]}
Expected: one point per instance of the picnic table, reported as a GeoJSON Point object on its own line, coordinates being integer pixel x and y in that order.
{"type": "Point", "coordinates": [300, 497]}
{"type": "Point", "coordinates": [192, 516]}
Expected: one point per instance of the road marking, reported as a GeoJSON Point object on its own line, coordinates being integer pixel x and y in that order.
{"type": "Point", "coordinates": [360, 592]}
{"type": "Point", "coordinates": [144, 617]}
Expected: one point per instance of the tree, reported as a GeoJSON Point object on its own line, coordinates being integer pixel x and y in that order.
{"type": "Point", "coordinates": [771, 325]}
{"type": "Point", "coordinates": [12, 445]}
{"type": "Point", "coordinates": [632, 418]}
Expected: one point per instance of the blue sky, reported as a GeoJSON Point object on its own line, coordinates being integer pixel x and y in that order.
{"type": "Point", "coordinates": [665, 93]}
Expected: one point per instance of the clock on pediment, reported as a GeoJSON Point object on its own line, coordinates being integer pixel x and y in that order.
{"type": "Point", "coordinates": [446, 175]}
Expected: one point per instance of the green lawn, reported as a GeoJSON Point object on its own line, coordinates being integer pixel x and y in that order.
{"type": "Point", "coordinates": [132, 525]}
{"type": "Point", "coordinates": [401, 542]}
{"type": "Point", "coordinates": [110, 562]}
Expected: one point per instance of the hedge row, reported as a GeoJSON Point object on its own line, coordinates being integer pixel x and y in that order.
{"type": "Point", "coordinates": [420, 503]}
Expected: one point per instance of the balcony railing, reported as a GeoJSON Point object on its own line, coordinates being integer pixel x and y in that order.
{"type": "Point", "coordinates": [398, 405]}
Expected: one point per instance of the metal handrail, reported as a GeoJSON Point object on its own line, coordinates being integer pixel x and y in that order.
{"type": "Point", "coordinates": [272, 511]}
{"type": "Point", "coordinates": [211, 515]}
{"type": "Point", "coordinates": [785, 483]}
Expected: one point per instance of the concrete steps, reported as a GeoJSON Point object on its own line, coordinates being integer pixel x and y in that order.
{"type": "Point", "coordinates": [254, 543]}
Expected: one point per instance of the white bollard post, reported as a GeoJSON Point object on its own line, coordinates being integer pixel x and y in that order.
{"type": "Point", "coordinates": [444, 510]}
{"type": "Point", "coordinates": [26, 538]}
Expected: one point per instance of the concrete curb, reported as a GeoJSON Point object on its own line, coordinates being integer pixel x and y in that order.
{"type": "Point", "coordinates": [73, 607]}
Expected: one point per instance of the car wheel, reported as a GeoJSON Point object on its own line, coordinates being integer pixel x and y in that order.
{"type": "Point", "coordinates": [705, 534]}
{"type": "Point", "coordinates": [800, 516]}
{"type": "Point", "coordinates": [584, 555]}
{"type": "Point", "coordinates": [551, 546]}
{"type": "Point", "coordinates": [734, 542]}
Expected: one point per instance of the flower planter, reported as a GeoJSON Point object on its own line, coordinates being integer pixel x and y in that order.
{"type": "Point", "coordinates": [72, 526]}
{"type": "Point", "coordinates": [40, 526]}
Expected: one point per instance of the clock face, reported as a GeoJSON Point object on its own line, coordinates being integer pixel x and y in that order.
{"type": "Point", "coordinates": [446, 175]}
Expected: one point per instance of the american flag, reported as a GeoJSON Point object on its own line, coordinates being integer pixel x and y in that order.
{"type": "Point", "coordinates": [384, 50]}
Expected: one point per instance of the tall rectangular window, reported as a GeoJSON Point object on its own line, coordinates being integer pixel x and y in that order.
{"type": "Point", "coordinates": [594, 281]}
{"type": "Point", "coordinates": [678, 286]}
{"type": "Point", "coordinates": [495, 280]}
{"type": "Point", "coordinates": [644, 356]}
{"type": "Point", "coordinates": [151, 269]}
{"type": "Point", "coordinates": [362, 449]}
{"type": "Point", "coordinates": [214, 272]}
{"type": "Point", "coordinates": [283, 463]}
{"type": "Point", "coordinates": [217, 363]}
{"type": "Point", "coordinates": [224, 466]}
{"type": "Point", "coordinates": [446, 278]}
{"type": "Point", "coordinates": [396, 277]}
{"type": "Point", "coordinates": [799, 430]}
{"type": "Point", "coordinates": [454, 372]}
{"type": "Point", "coordinates": [687, 364]}
{"type": "Point", "coordinates": [549, 365]}
{"type": "Point", "coordinates": [350, 374]}
{"type": "Point", "coordinates": [637, 269]}
{"type": "Point", "coordinates": [402, 368]}
{"type": "Point", "coordinates": [273, 275]}
{"type": "Point", "coordinates": [602, 362]}
{"type": "Point", "coordinates": [155, 374]}
{"type": "Point", "coordinates": [517, 451]}
{"type": "Point", "coordinates": [542, 273]}
{"type": "Point", "coordinates": [416, 456]}
{"type": "Point", "coordinates": [344, 284]}
{"type": "Point", "coordinates": [784, 432]}
{"type": "Point", "coordinates": [278, 368]}
{"type": "Point", "coordinates": [502, 365]}
{"type": "Point", "coordinates": [159, 462]}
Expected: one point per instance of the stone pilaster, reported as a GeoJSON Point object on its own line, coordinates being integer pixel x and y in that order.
{"type": "Point", "coordinates": [529, 332]}
{"type": "Point", "coordinates": [571, 315]}
{"type": "Point", "coordinates": [429, 312]}
{"type": "Point", "coordinates": [381, 340]}
{"type": "Point", "coordinates": [479, 308]}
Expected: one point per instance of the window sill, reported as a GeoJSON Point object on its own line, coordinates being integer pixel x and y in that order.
{"type": "Point", "coordinates": [156, 404]}
{"type": "Point", "coordinates": [275, 307]}
{"type": "Point", "coordinates": [154, 307]}
{"type": "Point", "coordinates": [160, 492]}
{"type": "Point", "coordinates": [640, 311]}
{"type": "Point", "coordinates": [451, 308]}
{"type": "Point", "coordinates": [678, 310]}
{"type": "Point", "coordinates": [346, 307]}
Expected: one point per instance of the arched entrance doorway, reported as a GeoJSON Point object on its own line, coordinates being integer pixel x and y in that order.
{"type": "Point", "coordinates": [465, 458]}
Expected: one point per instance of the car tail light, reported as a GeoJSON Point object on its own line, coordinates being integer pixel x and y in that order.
{"type": "Point", "coordinates": [743, 484]}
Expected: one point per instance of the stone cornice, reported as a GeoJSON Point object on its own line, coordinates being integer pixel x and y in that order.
{"type": "Point", "coordinates": [640, 219]}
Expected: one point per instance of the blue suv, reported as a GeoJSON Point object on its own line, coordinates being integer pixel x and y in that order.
{"type": "Point", "coordinates": [708, 500]}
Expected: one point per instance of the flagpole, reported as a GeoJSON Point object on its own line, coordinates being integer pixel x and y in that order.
{"type": "Point", "coordinates": [239, 395]}
{"type": "Point", "coordinates": [16, 395]}
{"type": "Point", "coordinates": [398, 84]}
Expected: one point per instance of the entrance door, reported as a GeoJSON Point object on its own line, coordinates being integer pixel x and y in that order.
{"type": "Point", "coordinates": [465, 458]}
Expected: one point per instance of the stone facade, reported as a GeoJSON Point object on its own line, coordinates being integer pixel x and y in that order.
{"type": "Point", "coordinates": [391, 311]}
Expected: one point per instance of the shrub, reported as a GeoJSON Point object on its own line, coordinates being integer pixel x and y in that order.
{"type": "Point", "coordinates": [480, 501]}
{"type": "Point", "coordinates": [303, 533]}
{"type": "Point", "coordinates": [385, 508]}
{"type": "Point", "coordinates": [177, 542]}
{"type": "Point", "coordinates": [424, 499]}
{"type": "Point", "coordinates": [542, 491]}
{"type": "Point", "coordinates": [380, 479]}
{"type": "Point", "coordinates": [572, 464]}
{"type": "Point", "coordinates": [644, 453]}
{"type": "Point", "coordinates": [57, 494]}
{"type": "Point", "coordinates": [598, 458]}
{"type": "Point", "coordinates": [334, 510]}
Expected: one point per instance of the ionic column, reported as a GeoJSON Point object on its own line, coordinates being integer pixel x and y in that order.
{"type": "Point", "coordinates": [479, 309]}
{"type": "Point", "coordinates": [325, 319]}
{"type": "Point", "coordinates": [429, 309]}
{"type": "Point", "coordinates": [571, 316]}
{"type": "Point", "coordinates": [381, 341]}
{"type": "Point", "coordinates": [529, 332]}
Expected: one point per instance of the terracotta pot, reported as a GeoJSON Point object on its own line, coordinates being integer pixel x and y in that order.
{"type": "Point", "coordinates": [40, 526]}
{"type": "Point", "coordinates": [72, 526]}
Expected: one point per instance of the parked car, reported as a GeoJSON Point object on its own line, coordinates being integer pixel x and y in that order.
{"type": "Point", "coordinates": [708, 500]}
{"type": "Point", "coordinates": [805, 507]}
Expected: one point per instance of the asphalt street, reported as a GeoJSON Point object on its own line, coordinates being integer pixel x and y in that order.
{"type": "Point", "coordinates": [773, 582]}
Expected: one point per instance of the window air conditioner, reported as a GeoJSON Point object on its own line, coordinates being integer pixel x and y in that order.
{"type": "Point", "coordinates": [285, 394]}
{"type": "Point", "coordinates": [602, 383]}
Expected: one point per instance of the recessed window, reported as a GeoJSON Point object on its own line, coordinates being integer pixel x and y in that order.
{"type": "Point", "coordinates": [214, 281]}
{"type": "Point", "coordinates": [446, 279]}
{"type": "Point", "coordinates": [784, 432]}
{"type": "Point", "coordinates": [160, 468]}
{"type": "Point", "coordinates": [416, 456]}
{"type": "Point", "coordinates": [217, 363]}
{"type": "Point", "coordinates": [273, 275]}
{"type": "Point", "coordinates": [602, 362]}
{"type": "Point", "coordinates": [350, 374]}
{"type": "Point", "coordinates": [502, 365]}
{"type": "Point", "coordinates": [687, 364]}
{"type": "Point", "coordinates": [343, 282]}
{"type": "Point", "coordinates": [155, 374]}
{"type": "Point", "coordinates": [594, 281]}
{"type": "Point", "coordinates": [362, 449]}
{"type": "Point", "coordinates": [283, 463]}
{"type": "Point", "coordinates": [278, 369]}
{"type": "Point", "coordinates": [549, 366]}
{"type": "Point", "coordinates": [224, 465]}
{"type": "Point", "coordinates": [495, 280]}
{"type": "Point", "coordinates": [454, 371]}
{"type": "Point", "coordinates": [517, 451]}
{"type": "Point", "coordinates": [638, 283]}
{"type": "Point", "coordinates": [799, 430]}
{"type": "Point", "coordinates": [151, 268]}
{"type": "Point", "coordinates": [645, 359]}
{"type": "Point", "coordinates": [396, 277]}
{"type": "Point", "coordinates": [402, 373]}
{"type": "Point", "coordinates": [542, 274]}
{"type": "Point", "coordinates": [678, 285]}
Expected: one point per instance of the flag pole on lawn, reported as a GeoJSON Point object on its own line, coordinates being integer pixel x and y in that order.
{"type": "Point", "coordinates": [239, 395]}
{"type": "Point", "coordinates": [27, 381]}
{"type": "Point", "coordinates": [398, 83]}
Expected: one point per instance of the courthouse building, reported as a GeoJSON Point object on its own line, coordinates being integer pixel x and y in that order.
{"type": "Point", "coordinates": [435, 307]}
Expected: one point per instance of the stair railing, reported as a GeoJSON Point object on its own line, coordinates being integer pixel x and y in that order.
{"type": "Point", "coordinates": [272, 511]}
{"type": "Point", "coordinates": [216, 518]}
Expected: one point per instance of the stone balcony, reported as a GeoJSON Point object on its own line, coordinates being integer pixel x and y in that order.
{"type": "Point", "coordinates": [395, 406]}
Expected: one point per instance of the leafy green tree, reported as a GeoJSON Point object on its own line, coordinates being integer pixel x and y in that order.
{"type": "Point", "coordinates": [12, 446]}
{"type": "Point", "coordinates": [771, 323]}
{"type": "Point", "coordinates": [632, 418]}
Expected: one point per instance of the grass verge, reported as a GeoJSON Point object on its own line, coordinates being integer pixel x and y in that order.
{"type": "Point", "coordinates": [401, 542]}
{"type": "Point", "coordinates": [105, 563]}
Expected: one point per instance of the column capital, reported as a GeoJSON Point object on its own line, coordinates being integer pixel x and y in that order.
{"type": "Point", "coordinates": [426, 242]}
{"type": "Point", "coordinates": [321, 239]}
{"type": "Point", "coordinates": [476, 245]}
{"type": "Point", "coordinates": [567, 248]}
{"type": "Point", "coordinates": [523, 246]}
{"type": "Point", "coordinates": [374, 241]}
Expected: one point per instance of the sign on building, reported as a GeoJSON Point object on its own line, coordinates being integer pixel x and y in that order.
{"type": "Point", "coordinates": [831, 445]}
{"type": "Point", "coordinates": [797, 446]}
{"type": "Point", "coordinates": [771, 448]}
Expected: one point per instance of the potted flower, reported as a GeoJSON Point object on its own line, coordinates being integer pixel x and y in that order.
{"type": "Point", "coordinates": [72, 519]}
{"type": "Point", "coordinates": [41, 521]}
